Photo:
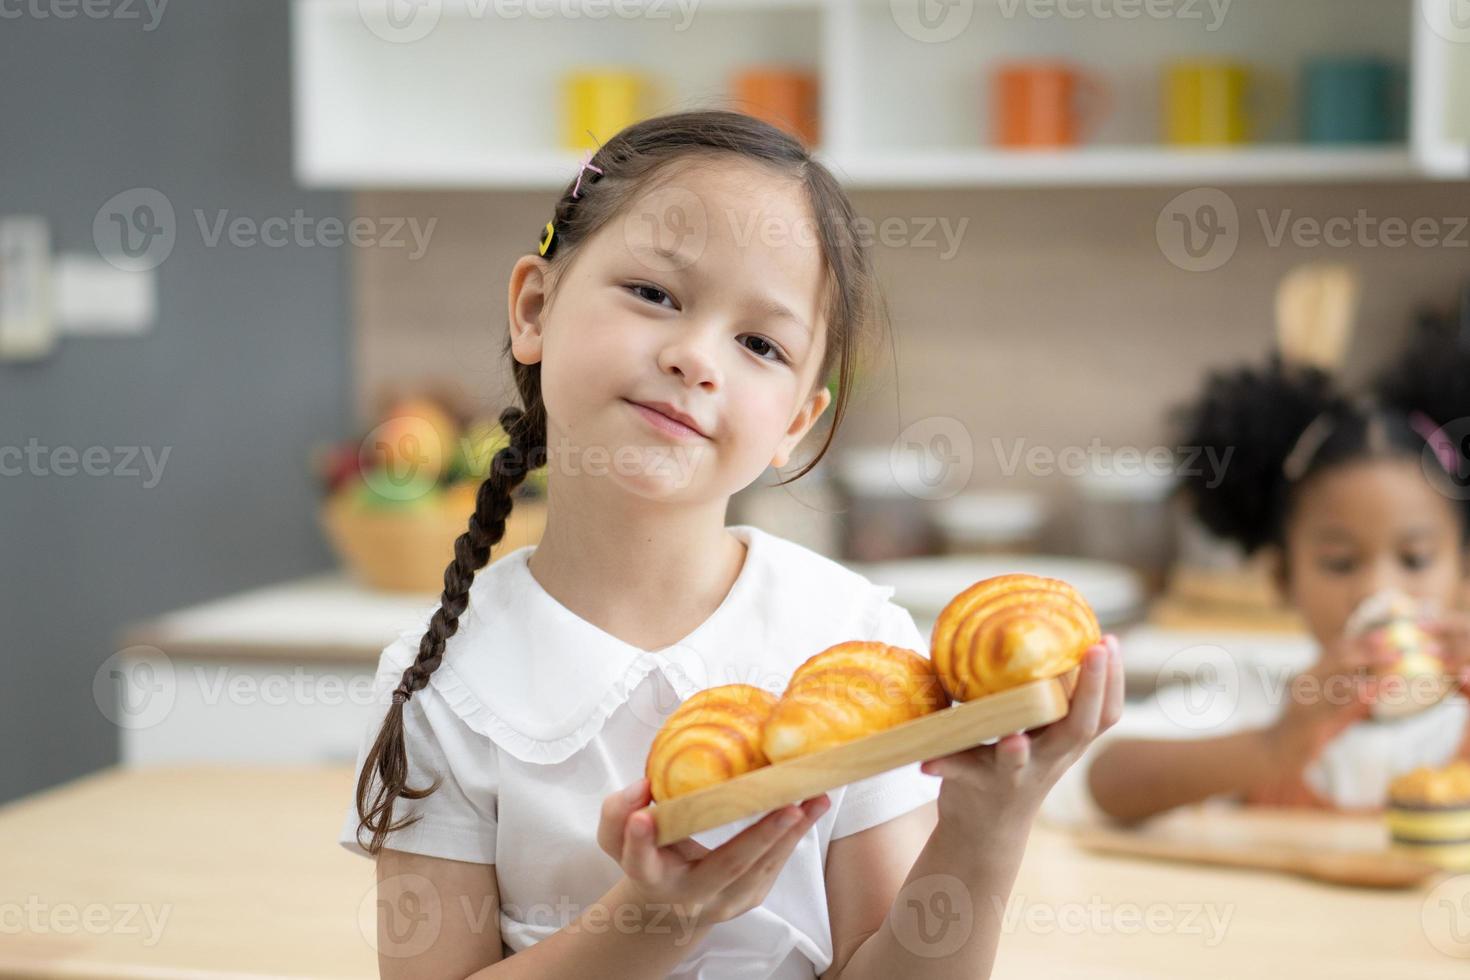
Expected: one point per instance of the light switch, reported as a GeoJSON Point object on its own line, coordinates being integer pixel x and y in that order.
{"type": "Point", "coordinates": [92, 296]}
{"type": "Point", "coordinates": [27, 331]}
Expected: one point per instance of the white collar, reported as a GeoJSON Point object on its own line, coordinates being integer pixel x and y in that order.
{"type": "Point", "coordinates": [540, 681]}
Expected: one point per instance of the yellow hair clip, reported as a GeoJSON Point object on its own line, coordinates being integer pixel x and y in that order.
{"type": "Point", "coordinates": [546, 242]}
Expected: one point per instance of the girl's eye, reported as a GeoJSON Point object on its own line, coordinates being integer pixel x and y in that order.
{"type": "Point", "coordinates": [766, 345]}
{"type": "Point", "coordinates": [1335, 565]}
{"type": "Point", "coordinates": [643, 291]}
{"type": "Point", "coordinates": [1419, 562]}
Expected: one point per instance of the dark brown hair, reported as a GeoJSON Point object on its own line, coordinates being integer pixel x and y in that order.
{"type": "Point", "coordinates": [629, 163]}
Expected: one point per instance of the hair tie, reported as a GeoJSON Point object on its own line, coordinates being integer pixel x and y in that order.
{"type": "Point", "coordinates": [1436, 439]}
{"type": "Point", "coordinates": [400, 696]}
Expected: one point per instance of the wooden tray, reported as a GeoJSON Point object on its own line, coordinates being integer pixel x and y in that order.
{"type": "Point", "coordinates": [957, 727]}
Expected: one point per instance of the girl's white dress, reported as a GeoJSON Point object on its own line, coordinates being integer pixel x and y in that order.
{"type": "Point", "coordinates": [535, 715]}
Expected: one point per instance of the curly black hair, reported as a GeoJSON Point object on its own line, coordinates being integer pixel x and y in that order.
{"type": "Point", "coordinates": [1284, 423]}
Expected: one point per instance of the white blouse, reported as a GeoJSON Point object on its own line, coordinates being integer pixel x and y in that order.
{"type": "Point", "coordinates": [534, 715]}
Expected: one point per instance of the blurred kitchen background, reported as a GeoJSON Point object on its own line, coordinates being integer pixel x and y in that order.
{"type": "Point", "coordinates": [1074, 219]}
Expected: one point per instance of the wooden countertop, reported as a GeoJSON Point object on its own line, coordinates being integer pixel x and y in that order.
{"type": "Point", "coordinates": [322, 617]}
{"type": "Point", "coordinates": [241, 869]}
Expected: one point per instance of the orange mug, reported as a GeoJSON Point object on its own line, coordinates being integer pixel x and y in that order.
{"type": "Point", "coordinates": [784, 97]}
{"type": "Point", "coordinates": [1044, 104]}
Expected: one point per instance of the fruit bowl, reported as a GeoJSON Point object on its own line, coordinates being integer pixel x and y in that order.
{"type": "Point", "coordinates": [405, 548]}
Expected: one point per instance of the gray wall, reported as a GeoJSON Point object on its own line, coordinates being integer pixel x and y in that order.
{"type": "Point", "coordinates": [246, 367]}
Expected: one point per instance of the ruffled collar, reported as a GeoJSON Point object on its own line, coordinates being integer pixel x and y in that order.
{"type": "Point", "coordinates": [540, 681]}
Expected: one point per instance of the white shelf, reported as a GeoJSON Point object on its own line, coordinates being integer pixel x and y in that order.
{"type": "Point", "coordinates": [1099, 166]}
{"type": "Point", "coordinates": [474, 102]}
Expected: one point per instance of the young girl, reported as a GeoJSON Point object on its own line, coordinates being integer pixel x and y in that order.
{"type": "Point", "coordinates": [1352, 496]}
{"type": "Point", "coordinates": [695, 286]}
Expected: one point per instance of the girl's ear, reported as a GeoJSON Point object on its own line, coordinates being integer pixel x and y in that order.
{"type": "Point", "coordinates": [526, 300]}
{"type": "Point", "coordinates": [801, 425]}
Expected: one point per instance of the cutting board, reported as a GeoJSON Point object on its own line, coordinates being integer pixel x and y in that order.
{"type": "Point", "coordinates": [1338, 849]}
{"type": "Point", "coordinates": [951, 729]}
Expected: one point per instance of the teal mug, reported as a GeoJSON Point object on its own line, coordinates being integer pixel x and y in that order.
{"type": "Point", "coordinates": [1349, 99]}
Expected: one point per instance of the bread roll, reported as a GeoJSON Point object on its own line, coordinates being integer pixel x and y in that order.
{"type": "Point", "coordinates": [714, 735]}
{"type": "Point", "coordinates": [847, 691]}
{"type": "Point", "coordinates": [1010, 630]}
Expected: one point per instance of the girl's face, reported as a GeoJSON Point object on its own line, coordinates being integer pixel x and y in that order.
{"type": "Point", "coordinates": [1367, 526]}
{"type": "Point", "coordinates": [704, 296]}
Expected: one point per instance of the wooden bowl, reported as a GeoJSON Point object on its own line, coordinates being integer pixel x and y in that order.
{"type": "Point", "coordinates": [407, 550]}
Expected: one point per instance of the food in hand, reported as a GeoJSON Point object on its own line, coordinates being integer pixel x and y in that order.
{"type": "Point", "coordinates": [1010, 630]}
{"type": "Point", "coordinates": [713, 736]}
{"type": "Point", "coordinates": [1417, 679]}
{"type": "Point", "coordinates": [1428, 814]}
{"type": "Point", "coordinates": [847, 691]}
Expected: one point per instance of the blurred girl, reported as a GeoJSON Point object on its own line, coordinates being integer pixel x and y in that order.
{"type": "Point", "coordinates": [1351, 496]}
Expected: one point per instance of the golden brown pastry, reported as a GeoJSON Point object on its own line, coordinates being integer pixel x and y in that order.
{"type": "Point", "coordinates": [1010, 630]}
{"type": "Point", "coordinates": [847, 691]}
{"type": "Point", "coordinates": [714, 735]}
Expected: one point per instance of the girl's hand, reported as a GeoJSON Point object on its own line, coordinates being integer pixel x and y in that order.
{"type": "Point", "coordinates": [701, 885]}
{"type": "Point", "coordinates": [1019, 770]}
{"type": "Point", "coordinates": [1452, 630]}
{"type": "Point", "coordinates": [1323, 701]}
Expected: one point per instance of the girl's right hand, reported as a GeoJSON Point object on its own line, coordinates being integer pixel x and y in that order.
{"type": "Point", "coordinates": [1324, 700]}
{"type": "Point", "coordinates": [704, 885]}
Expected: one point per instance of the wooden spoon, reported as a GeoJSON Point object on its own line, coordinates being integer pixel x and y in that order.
{"type": "Point", "coordinates": [1365, 869]}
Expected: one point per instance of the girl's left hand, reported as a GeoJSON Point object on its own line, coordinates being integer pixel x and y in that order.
{"type": "Point", "coordinates": [1452, 630]}
{"type": "Point", "coordinates": [1020, 769]}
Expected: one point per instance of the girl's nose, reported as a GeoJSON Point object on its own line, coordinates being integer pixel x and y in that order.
{"type": "Point", "coordinates": [692, 357]}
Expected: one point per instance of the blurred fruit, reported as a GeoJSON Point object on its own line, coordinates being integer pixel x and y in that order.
{"type": "Point", "coordinates": [368, 492]}
{"type": "Point", "coordinates": [416, 440]}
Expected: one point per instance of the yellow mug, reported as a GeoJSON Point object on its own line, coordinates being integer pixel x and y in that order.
{"type": "Point", "coordinates": [1209, 102]}
{"type": "Point", "coordinates": [599, 102]}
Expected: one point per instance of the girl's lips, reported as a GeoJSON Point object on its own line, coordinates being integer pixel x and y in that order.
{"type": "Point", "coordinates": [665, 424]}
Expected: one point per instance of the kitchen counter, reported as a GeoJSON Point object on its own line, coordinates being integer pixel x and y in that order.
{"type": "Point", "coordinates": [215, 872]}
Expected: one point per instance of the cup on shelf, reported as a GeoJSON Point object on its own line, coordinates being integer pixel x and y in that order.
{"type": "Point", "coordinates": [598, 102]}
{"type": "Point", "coordinates": [1352, 99]}
{"type": "Point", "coordinates": [1218, 102]}
{"type": "Point", "coordinates": [787, 98]}
{"type": "Point", "coordinates": [1044, 104]}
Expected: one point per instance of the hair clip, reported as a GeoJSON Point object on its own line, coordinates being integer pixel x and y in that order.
{"type": "Point", "coordinates": [546, 241]}
{"type": "Point", "coordinates": [587, 165]}
{"type": "Point", "coordinates": [1306, 446]}
{"type": "Point", "coordinates": [1435, 438]}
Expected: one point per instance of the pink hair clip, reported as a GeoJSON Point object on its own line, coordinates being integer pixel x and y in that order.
{"type": "Point", "coordinates": [586, 166]}
{"type": "Point", "coordinates": [1444, 448]}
